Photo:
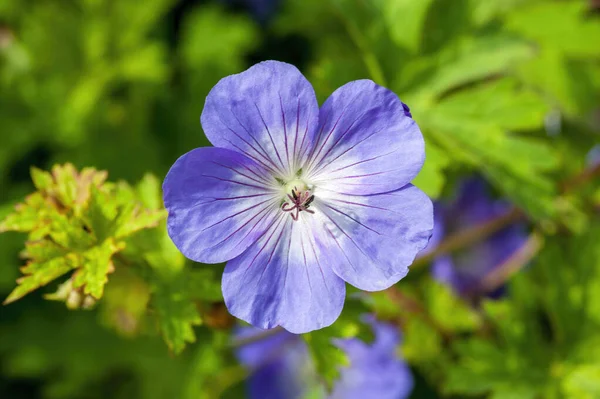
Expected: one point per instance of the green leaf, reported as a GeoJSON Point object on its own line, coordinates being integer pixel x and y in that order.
{"type": "Point", "coordinates": [570, 85]}
{"type": "Point", "coordinates": [405, 20]}
{"type": "Point", "coordinates": [484, 368]}
{"type": "Point", "coordinates": [37, 275]}
{"type": "Point", "coordinates": [582, 382]}
{"type": "Point", "coordinates": [149, 192]}
{"type": "Point", "coordinates": [133, 218]}
{"type": "Point", "coordinates": [328, 358]}
{"type": "Point", "coordinates": [563, 26]}
{"type": "Point", "coordinates": [448, 310]}
{"type": "Point", "coordinates": [236, 34]}
{"type": "Point", "coordinates": [474, 59]}
{"type": "Point", "coordinates": [41, 179]}
{"type": "Point", "coordinates": [422, 343]}
{"type": "Point", "coordinates": [27, 216]}
{"type": "Point", "coordinates": [431, 178]}
{"type": "Point", "coordinates": [176, 312]}
{"type": "Point", "coordinates": [502, 103]}
{"type": "Point", "coordinates": [96, 263]}
{"type": "Point", "coordinates": [485, 11]}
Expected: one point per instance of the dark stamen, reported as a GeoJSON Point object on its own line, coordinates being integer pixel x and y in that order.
{"type": "Point", "coordinates": [300, 201]}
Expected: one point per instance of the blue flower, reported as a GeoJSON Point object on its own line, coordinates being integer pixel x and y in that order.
{"type": "Point", "coordinates": [465, 270]}
{"type": "Point", "coordinates": [261, 10]}
{"type": "Point", "coordinates": [282, 367]}
{"type": "Point", "coordinates": [299, 199]}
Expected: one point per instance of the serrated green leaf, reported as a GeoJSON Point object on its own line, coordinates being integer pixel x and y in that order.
{"type": "Point", "coordinates": [42, 180]}
{"type": "Point", "coordinates": [37, 275]}
{"type": "Point", "coordinates": [96, 264]}
{"type": "Point", "coordinates": [133, 218]}
{"type": "Point", "coordinates": [100, 214]}
{"type": "Point", "coordinates": [27, 216]}
{"type": "Point", "coordinates": [65, 187]}
{"type": "Point", "coordinates": [176, 312]}
{"type": "Point", "coordinates": [69, 232]}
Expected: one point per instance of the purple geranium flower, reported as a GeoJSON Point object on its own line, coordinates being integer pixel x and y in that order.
{"type": "Point", "coordinates": [473, 205]}
{"type": "Point", "coordinates": [299, 199]}
{"type": "Point", "coordinates": [283, 369]}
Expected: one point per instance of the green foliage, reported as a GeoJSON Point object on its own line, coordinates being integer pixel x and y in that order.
{"type": "Point", "coordinates": [73, 226]}
{"type": "Point", "coordinates": [508, 89]}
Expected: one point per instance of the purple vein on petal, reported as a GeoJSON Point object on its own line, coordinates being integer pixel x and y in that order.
{"type": "Point", "coordinates": [314, 161]}
{"type": "Point", "coordinates": [340, 247]}
{"type": "Point", "coordinates": [296, 136]}
{"type": "Point", "coordinates": [348, 236]}
{"type": "Point", "coordinates": [303, 149]}
{"type": "Point", "coordinates": [363, 205]}
{"type": "Point", "coordinates": [319, 264]}
{"type": "Point", "coordinates": [236, 214]}
{"type": "Point", "coordinates": [241, 150]}
{"type": "Point", "coordinates": [287, 265]}
{"type": "Point", "coordinates": [312, 157]}
{"type": "Point", "coordinates": [367, 175]}
{"type": "Point", "coordinates": [305, 264]}
{"type": "Point", "coordinates": [263, 210]}
{"type": "Point", "coordinates": [276, 220]}
{"type": "Point", "coordinates": [274, 248]}
{"type": "Point", "coordinates": [320, 166]}
{"type": "Point", "coordinates": [262, 181]}
{"type": "Point", "coordinates": [285, 140]}
{"type": "Point", "coordinates": [270, 136]}
{"type": "Point", "coordinates": [351, 218]}
{"type": "Point", "coordinates": [236, 182]}
{"type": "Point", "coordinates": [264, 155]}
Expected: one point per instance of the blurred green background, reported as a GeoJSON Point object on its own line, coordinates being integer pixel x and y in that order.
{"type": "Point", "coordinates": [506, 89]}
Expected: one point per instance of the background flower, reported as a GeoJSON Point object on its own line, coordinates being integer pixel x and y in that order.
{"type": "Point", "coordinates": [281, 367]}
{"type": "Point", "coordinates": [473, 205]}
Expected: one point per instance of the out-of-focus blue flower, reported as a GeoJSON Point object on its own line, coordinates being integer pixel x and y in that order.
{"type": "Point", "coordinates": [375, 371]}
{"type": "Point", "coordinates": [593, 156]}
{"type": "Point", "coordinates": [282, 367]}
{"type": "Point", "coordinates": [299, 199]}
{"type": "Point", "coordinates": [473, 205]}
{"type": "Point", "coordinates": [261, 10]}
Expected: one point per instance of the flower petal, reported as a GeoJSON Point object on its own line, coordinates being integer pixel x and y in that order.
{"type": "Point", "coordinates": [374, 370]}
{"type": "Point", "coordinates": [219, 202]}
{"type": "Point", "coordinates": [282, 281]}
{"type": "Point", "coordinates": [372, 240]}
{"type": "Point", "coordinates": [269, 112]}
{"type": "Point", "coordinates": [366, 142]}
